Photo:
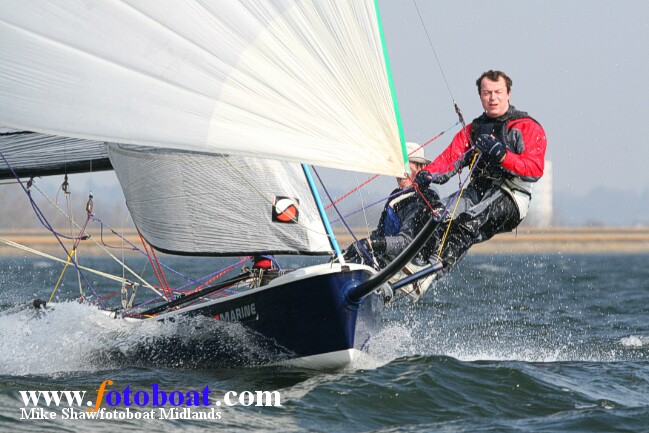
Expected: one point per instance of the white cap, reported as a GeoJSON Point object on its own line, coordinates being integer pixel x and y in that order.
{"type": "Point", "coordinates": [416, 153]}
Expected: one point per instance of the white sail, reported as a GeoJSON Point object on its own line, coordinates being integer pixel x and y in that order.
{"type": "Point", "coordinates": [287, 79]}
{"type": "Point", "coordinates": [31, 154]}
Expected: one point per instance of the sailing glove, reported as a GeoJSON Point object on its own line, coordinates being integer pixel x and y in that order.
{"type": "Point", "coordinates": [423, 179]}
{"type": "Point", "coordinates": [491, 148]}
{"type": "Point", "coordinates": [358, 251]}
{"type": "Point", "coordinates": [376, 245]}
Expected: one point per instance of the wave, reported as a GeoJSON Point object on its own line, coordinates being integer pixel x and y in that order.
{"type": "Point", "coordinates": [71, 337]}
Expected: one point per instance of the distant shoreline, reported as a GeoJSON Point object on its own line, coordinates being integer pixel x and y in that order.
{"type": "Point", "coordinates": [569, 240]}
{"type": "Point", "coordinates": [527, 240]}
{"type": "Point", "coordinates": [559, 240]}
{"type": "Point", "coordinates": [45, 242]}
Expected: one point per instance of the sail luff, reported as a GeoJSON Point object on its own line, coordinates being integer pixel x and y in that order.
{"type": "Point", "coordinates": [393, 91]}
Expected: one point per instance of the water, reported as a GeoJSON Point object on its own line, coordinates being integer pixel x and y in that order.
{"type": "Point", "coordinates": [506, 343]}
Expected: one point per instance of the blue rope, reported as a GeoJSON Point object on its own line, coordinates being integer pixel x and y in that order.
{"type": "Point", "coordinates": [47, 225]}
{"type": "Point", "coordinates": [135, 247]}
{"type": "Point", "coordinates": [272, 259]}
{"type": "Point", "coordinates": [392, 195]}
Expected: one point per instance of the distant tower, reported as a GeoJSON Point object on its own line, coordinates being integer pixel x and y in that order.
{"type": "Point", "coordinates": [540, 213]}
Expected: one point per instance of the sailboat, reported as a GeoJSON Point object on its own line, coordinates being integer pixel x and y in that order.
{"type": "Point", "coordinates": [211, 114]}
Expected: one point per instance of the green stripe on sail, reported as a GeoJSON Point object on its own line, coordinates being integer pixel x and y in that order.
{"type": "Point", "coordinates": [392, 90]}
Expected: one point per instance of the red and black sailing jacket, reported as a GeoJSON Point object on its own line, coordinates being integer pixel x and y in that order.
{"type": "Point", "coordinates": [523, 137]}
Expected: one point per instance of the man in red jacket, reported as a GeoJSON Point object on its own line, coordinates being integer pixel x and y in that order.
{"type": "Point", "coordinates": [511, 148]}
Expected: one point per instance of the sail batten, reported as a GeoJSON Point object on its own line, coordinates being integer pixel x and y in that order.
{"type": "Point", "coordinates": [295, 80]}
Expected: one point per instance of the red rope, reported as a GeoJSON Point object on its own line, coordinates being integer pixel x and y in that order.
{"type": "Point", "coordinates": [352, 191]}
{"type": "Point", "coordinates": [80, 237]}
{"type": "Point", "coordinates": [344, 196]}
{"type": "Point", "coordinates": [108, 296]}
{"type": "Point", "coordinates": [161, 271]}
{"type": "Point", "coordinates": [220, 274]}
{"type": "Point", "coordinates": [421, 194]}
{"type": "Point", "coordinates": [157, 270]}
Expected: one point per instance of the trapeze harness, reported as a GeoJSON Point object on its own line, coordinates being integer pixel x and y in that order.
{"type": "Point", "coordinates": [519, 188]}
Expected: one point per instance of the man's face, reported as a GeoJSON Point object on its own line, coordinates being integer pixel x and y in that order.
{"type": "Point", "coordinates": [405, 182]}
{"type": "Point", "coordinates": [494, 97]}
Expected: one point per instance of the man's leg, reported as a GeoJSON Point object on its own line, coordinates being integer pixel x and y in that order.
{"type": "Point", "coordinates": [495, 213]}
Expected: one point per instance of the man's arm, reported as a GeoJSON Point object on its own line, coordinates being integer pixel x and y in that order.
{"type": "Point", "coordinates": [397, 243]}
{"type": "Point", "coordinates": [449, 162]}
{"type": "Point", "coordinates": [529, 163]}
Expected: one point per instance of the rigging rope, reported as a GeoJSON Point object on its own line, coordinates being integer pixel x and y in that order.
{"type": "Point", "coordinates": [367, 225]}
{"type": "Point", "coordinates": [220, 273]}
{"type": "Point", "coordinates": [72, 253]}
{"type": "Point", "coordinates": [347, 194]}
{"type": "Point", "coordinates": [364, 251]}
{"type": "Point", "coordinates": [56, 259]}
{"type": "Point", "coordinates": [121, 263]}
{"type": "Point", "coordinates": [10, 182]}
{"type": "Point", "coordinates": [56, 286]}
{"type": "Point", "coordinates": [441, 69]}
{"type": "Point", "coordinates": [476, 158]}
{"type": "Point", "coordinates": [156, 269]}
{"type": "Point", "coordinates": [42, 218]}
{"type": "Point", "coordinates": [102, 245]}
{"type": "Point", "coordinates": [430, 42]}
{"type": "Point", "coordinates": [133, 248]}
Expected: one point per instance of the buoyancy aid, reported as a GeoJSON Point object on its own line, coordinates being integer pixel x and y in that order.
{"type": "Point", "coordinates": [392, 222]}
{"type": "Point", "coordinates": [519, 189]}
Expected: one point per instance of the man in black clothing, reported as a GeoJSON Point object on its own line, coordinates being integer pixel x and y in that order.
{"type": "Point", "coordinates": [511, 146]}
{"type": "Point", "coordinates": [403, 216]}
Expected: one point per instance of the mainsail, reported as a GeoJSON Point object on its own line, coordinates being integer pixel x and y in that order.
{"type": "Point", "coordinates": [33, 154]}
{"type": "Point", "coordinates": [204, 204]}
{"type": "Point", "coordinates": [296, 80]}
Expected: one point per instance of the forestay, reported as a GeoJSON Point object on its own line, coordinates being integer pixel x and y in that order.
{"type": "Point", "coordinates": [294, 80]}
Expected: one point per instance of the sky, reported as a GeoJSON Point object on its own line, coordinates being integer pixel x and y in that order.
{"type": "Point", "coordinates": [581, 68]}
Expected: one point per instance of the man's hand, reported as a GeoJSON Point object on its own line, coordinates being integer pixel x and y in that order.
{"type": "Point", "coordinates": [359, 249]}
{"type": "Point", "coordinates": [423, 179]}
{"type": "Point", "coordinates": [491, 148]}
{"type": "Point", "coordinates": [376, 245]}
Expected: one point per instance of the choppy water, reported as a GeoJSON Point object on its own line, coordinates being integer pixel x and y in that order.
{"type": "Point", "coordinates": [508, 343]}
